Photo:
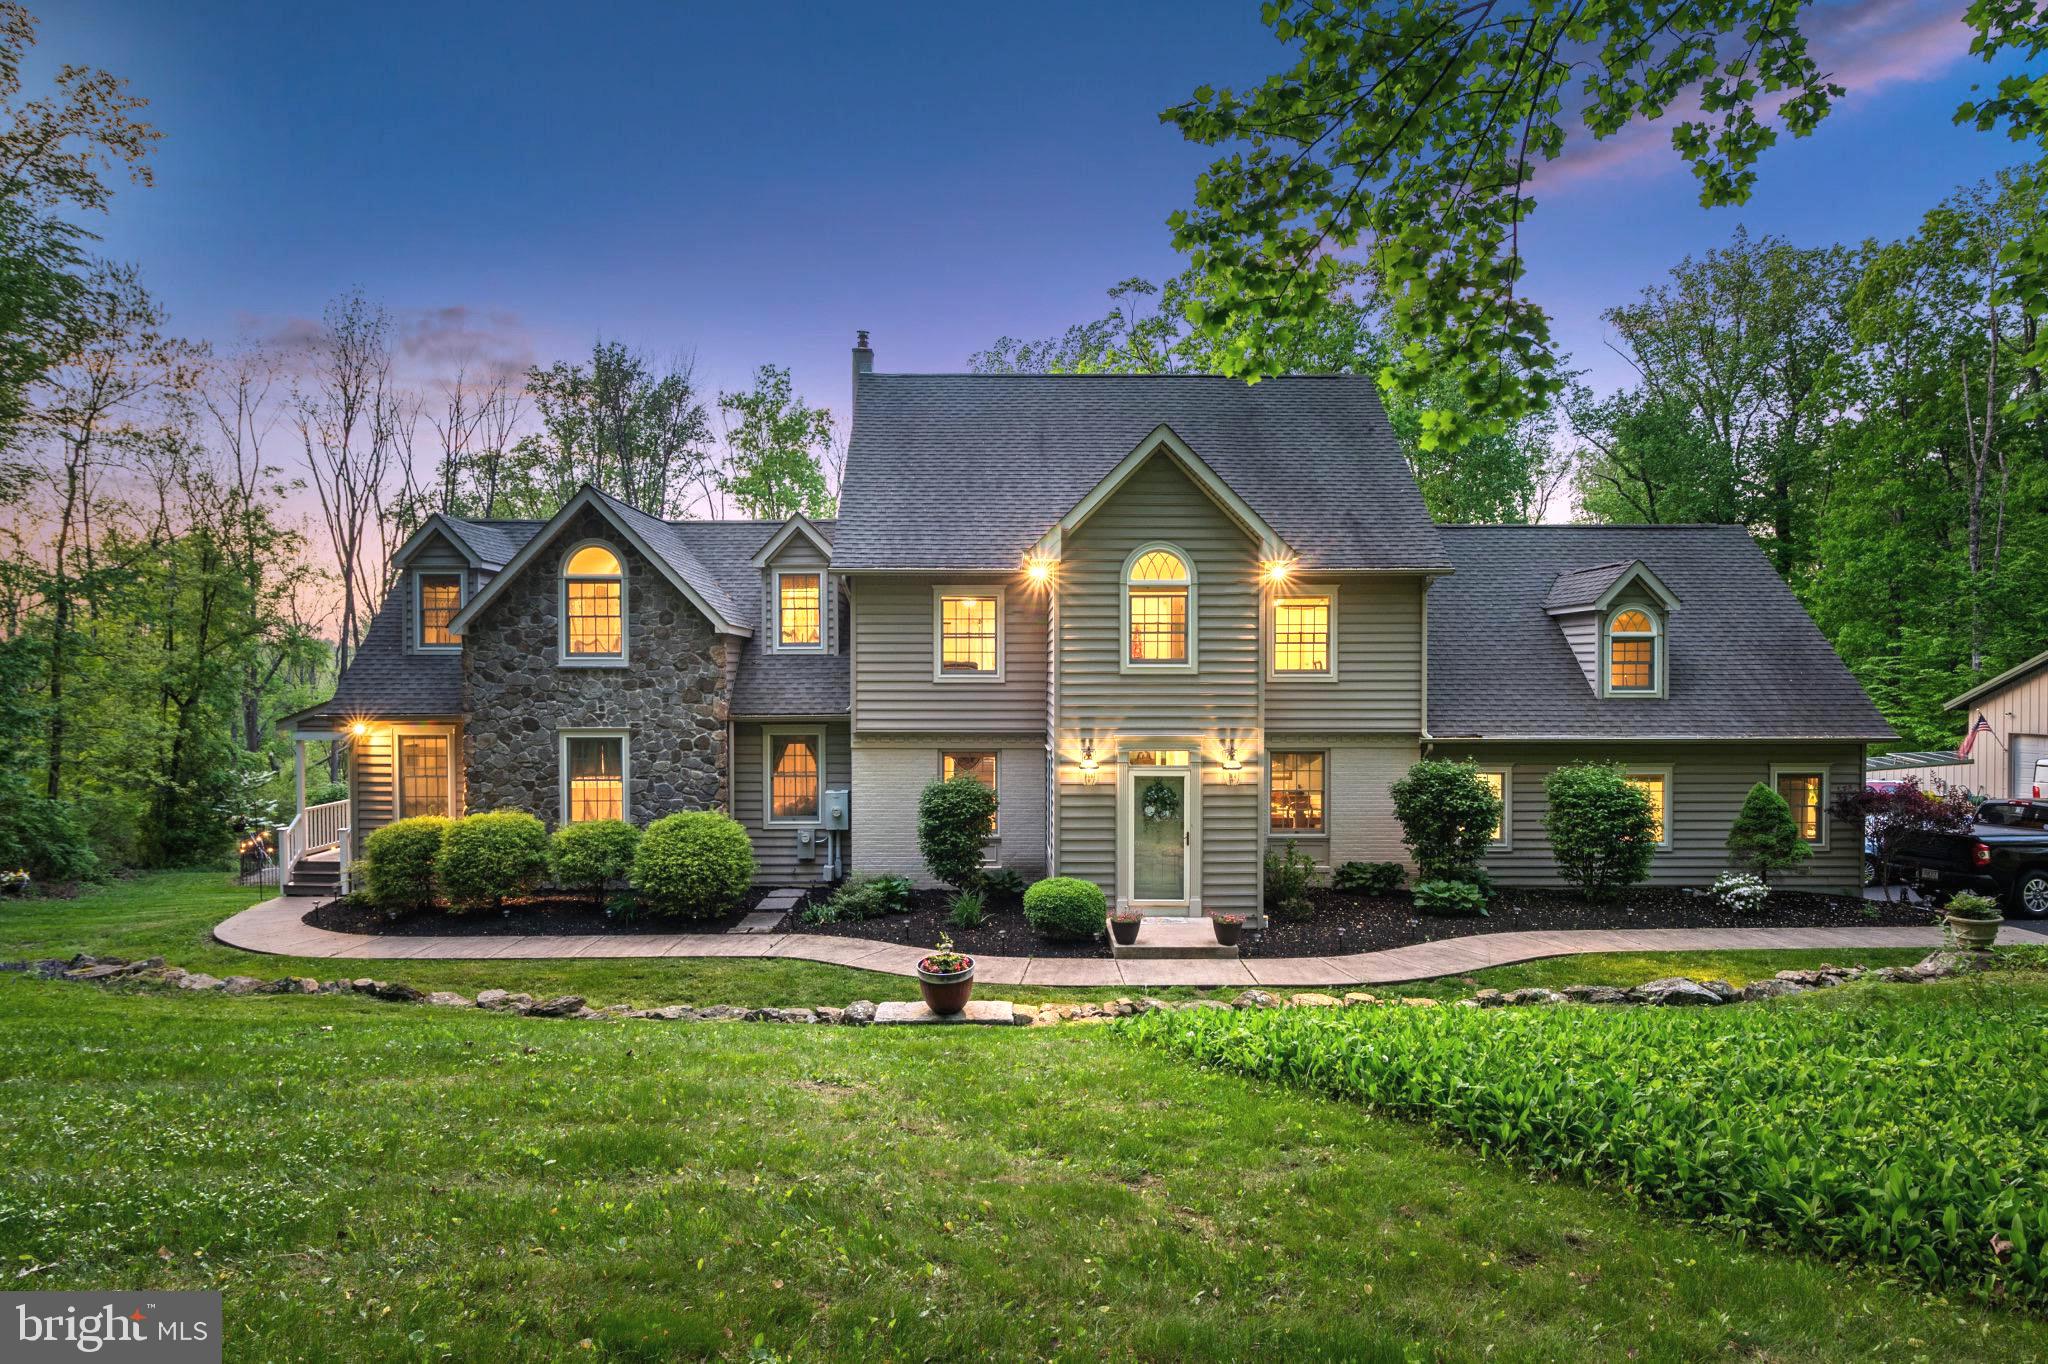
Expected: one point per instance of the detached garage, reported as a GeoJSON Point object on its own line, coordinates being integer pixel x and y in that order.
{"type": "Point", "coordinates": [2013, 737]}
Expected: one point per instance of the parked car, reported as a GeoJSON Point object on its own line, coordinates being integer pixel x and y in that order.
{"type": "Point", "coordinates": [2005, 854]}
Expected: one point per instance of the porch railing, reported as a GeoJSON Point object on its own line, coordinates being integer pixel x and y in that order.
{"type": "Point", "coordinates": [313, 828]}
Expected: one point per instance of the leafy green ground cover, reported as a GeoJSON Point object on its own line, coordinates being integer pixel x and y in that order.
{"type": "Point", "coordinates": [376, 1182]}
{"type": "Point", "coordinates": [172, 914]}
{"type": "Point", "coordinates": [1901, 1126]}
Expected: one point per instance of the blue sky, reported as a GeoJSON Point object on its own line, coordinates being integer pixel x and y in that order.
{"type": "Point", "coordinates": [752, 183]}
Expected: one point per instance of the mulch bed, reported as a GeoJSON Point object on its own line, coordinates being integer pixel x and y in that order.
{"type": "Point", "coordinates": [561, 915]}
{"type": "Point", "coordinates": [1003, 932]}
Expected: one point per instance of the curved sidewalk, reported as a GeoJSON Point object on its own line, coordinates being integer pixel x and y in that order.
{"type": "Point", "coordinates": [275, 927]}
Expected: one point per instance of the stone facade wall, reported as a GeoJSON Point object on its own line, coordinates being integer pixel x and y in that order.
{"type": "Point", "coordinates": [671, 696]}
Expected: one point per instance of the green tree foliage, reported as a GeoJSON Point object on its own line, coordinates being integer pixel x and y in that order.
{"type": "Point", "coordinates": [1447, 816]}
{"type": "Point", "coordinates": [776, 448]}
{"type": "Point", "coordinates": [635, 429]}
{"type": "Point", "coordinates": [1601, 832]}
{"type": "Point", "coordinates": [1764, 835]}
{"type": "Point", "coordinates": [953, 820]}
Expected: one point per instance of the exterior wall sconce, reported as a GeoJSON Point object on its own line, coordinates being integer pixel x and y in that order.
{"type": "Point", "coordinates": [1087, 762]}
{"type": "Point", "coordinates": [1232, 768]}
{"type": "Point", "coordinates": [1039, 568]}
{"type": "Point", "coordinates": [359, 729]}
{"type": "Point", "coordinates": [1277, 571]}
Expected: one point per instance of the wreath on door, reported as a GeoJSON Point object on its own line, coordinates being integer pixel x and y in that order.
{"type": "Point", "coordinates": [1161, 801]}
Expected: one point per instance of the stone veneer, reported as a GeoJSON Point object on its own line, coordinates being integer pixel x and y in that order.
{"type": "Point", "coordinates": [672, 696]}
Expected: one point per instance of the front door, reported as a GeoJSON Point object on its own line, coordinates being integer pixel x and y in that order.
{"type": "Point", "coordinates": [1159, 836]}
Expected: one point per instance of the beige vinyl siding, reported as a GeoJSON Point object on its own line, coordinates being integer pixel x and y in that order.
{"type": "Point", "coordinates": [1379, 663]}
{"type": "Point", "coordinates": [889, 775]}
{"type": "Point", "coordinates": [435, 556]}
{"type": "Point", "coordinates": [1582, 633]}
{"type": "Point", "coordinates": [1358, 805]}
{"type": "Point", "coordinates": [775, 845]}
{"type": "Point", "coordinates": [1098, 701]}
{"type": "Point", "coordinates": [373, 797]}
{"type": "Point", "coordinates": [893, 686]}
{"type": "Point", "coordinates": [2020, 712]}
{"type": "Point", "coordinates": [1708, 783]}
{"type": "Point", "coordinates": [799, 555]}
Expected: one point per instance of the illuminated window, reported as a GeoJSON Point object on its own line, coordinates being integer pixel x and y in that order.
{"type": "Point", "coordinates": [1806, 792]}
{"type": "Point", "coordinates": [1156, 609]}
{"type": "Point", "coordinates": [793, 773]}
{"type": "Point", "coordinates": [1657, 787]}
{"type": "Point", "coordinates": [799, 612]}
{"type": "Point", "coordinates": [1496, 781]}
{"type": "Point", "coordinates": [1296, 798]}
{"type": "Point", "coordinates": [1157, 757]}
{"type": "Point", "coordinates": [594, 601]}
{"type": "Point", "coordinates": [595, 768]}
{"type": "Point", "coordinates": [1301, 635]}
{"type": "Point", "coordinates": [980, 766]}
{"type": "Point", "coordinates": [1632, 652]}
{"type": "Point", "coordinates": [422, 774]}
{"type": "Point", "coordinates": [440, 597]}
{"type": "Point", "coordinates": [970, 639]}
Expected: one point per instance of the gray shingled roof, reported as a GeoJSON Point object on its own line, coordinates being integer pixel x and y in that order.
{"type": "Point", "coordinates": [495, 542]}
{"type": "Point", "coordinates": [1583, 586]}
{"type": "Point", "coordinates": [1745, 659]}
{"type": "Point", "coordinates": [790, 684]}
{"type": "Point", "coordinates": [969, 470]}
{"type": "Point", "coordinates": [384, 680]}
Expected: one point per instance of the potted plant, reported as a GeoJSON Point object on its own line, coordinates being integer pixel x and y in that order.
{"type": "Point", "coordinates": [945, 978]}
{"type": "Point", "coordinates": [14, 882]}
{"type": "Point", "coordinates": [1227, 927]}
{"type": "Point", "coordinates": [1124, 925]}
{"type": "Point", "coordinates": [1974, 920]}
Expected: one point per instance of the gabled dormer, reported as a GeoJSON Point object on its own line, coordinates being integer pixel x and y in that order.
{"type": "Point", "coordinates": [438, 571]}
{"type": "Point", "coordinates": [1616, 618]}
{"type": "Point", "coordinates": [799, 599]}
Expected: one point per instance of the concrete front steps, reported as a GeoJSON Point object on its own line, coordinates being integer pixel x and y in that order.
{"type": "Point", "coordinates": [317, 874]}
{"type": "Point", "coordinates": [1162, 937]}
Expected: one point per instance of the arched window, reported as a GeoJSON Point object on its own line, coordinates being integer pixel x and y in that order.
{"type": "Point", "coordinates": [1632, 651]}
{"type": "Point", "coordinates": [593, 605]}
{"type": "Point", "coordinates": [1159, 593]}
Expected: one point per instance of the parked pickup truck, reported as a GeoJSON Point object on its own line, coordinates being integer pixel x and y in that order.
{"type": "Point", "coordinates": [2005, 854]}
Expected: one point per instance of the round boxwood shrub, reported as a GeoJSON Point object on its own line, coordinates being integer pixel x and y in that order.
{"type": "Point", "coordinates": [1601, 832]}
{"type": "Point", "coordinates": [1065, 908]}
{"type": "Point", "coordinates": [486, 858]}
{"type": "Point", "coordinates": [953, 819]}
{"type": "Point", "coordinates": [591, 855]}
{"type": "Point", "coordinates": [398, 862]}
{"type": "Point", "coordinates": [1447, 816]}
{"type": "Point", "coordinates": [697, 865]}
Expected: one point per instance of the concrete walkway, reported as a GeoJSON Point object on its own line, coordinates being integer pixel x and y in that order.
{"type": "Point", "coordinates": [274, 927]}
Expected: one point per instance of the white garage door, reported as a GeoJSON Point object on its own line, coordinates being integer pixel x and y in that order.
{"type": "Point", "coordinates": [2027, 749]}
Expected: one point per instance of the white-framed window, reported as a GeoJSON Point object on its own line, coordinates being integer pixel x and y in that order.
{"type": "Point", "coordinates": [424, 780]}
{"type": "Point", "coordinates": [979, 764]}
{"type": "Point", "coordinates": [800, 610]}
{"type": "Point", "coordinates": [436, 597]}
{"type": "Point", "coordinates": [792, 775]}
{"type": "Point", "coordinates": [593, 606]}
{"type": "Point", "coordinates": [1654, 783]}
{"type": "Point", "coordinates": [1501, 781]}
{"type": "Point", "coordinates": [1634, 647]}
{"type": "Point", "coordinates": [1295, 787]}
{"type": "Point", "coordinates": [967, 634]}
{"type": "Point", "coordinates": [596, 775]}
{"type": "Point", "coordinates": [1304, 634]}
{"type": "Point", "coordinates": [1805, 789]}
{"type": "Point", "coordinates": [1159, 610]}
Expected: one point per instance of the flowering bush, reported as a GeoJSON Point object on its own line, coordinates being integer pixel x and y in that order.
{"type": "Point", "coordinates": [1739, 892]}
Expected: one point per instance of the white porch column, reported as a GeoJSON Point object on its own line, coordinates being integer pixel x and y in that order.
{"type": "Point", "coordinates": [299, 771]}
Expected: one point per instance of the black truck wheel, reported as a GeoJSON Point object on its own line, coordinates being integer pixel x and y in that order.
{"type": "Point", "coordinates": [2028, 897]}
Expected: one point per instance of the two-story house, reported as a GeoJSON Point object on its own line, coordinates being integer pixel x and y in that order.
{"type": "Point", "coordinates": [1171, 619]}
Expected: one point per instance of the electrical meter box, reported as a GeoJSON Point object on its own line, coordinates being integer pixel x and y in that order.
{"type": "Point", "coordinates": [838, 811]}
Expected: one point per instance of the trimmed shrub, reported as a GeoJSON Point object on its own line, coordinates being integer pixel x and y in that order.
{"type": "Point", "coordinates": [398, 862]}
{"type": "Point", "coordinates": [486, 858]}
{"type": "Point", "coordinates": [1288, 873]}
{"type": "Point", "coordinates": [1065, 908]}
{"type": "Point", "coordinates": [952, 829]}
{"type": "Point", "coordinates": [1450, 899]}
{"type": "Point", "coordinates": [1600, 828]}
{"type": "Point", "coordinates": [591, 855]}
{"type": "Point", "coordinates": [1765, 836]}
{"type": "Point", "coordinates": [1447, 816]}
{"type": "Point", "coordinates": [696, 865]}
{"type": "Point", "coordinates": [862, 897]}
{"type": "Point", "coordinates": [1369, 878]}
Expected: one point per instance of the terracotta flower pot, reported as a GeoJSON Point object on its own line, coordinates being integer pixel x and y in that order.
{"type": "Point", "coordinates": [1226, 933]}
{"type": "Point", "coordinates": [1975, 934]}
{"type": "Point", "coordinates": [1125, 930]}
{"type": "Point", "coordinates": [946, 992]}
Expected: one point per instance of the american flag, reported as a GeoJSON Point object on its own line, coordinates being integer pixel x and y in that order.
{"type": "Point", "coordinates": [1983, 726]}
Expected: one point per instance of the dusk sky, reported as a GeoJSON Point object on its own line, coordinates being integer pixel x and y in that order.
{"type": "Point", "coordinates": [752, 183]}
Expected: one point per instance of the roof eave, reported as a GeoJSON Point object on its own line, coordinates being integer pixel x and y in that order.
{"type": "Point", "coordinates": [1998, 683]}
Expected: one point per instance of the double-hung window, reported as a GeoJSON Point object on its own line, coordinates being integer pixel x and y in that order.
{"type": "Point", "coordinates": [800, 611]}
{"type": "Point", "coordinates": [593, 777]}
{"type": "Point", "coordinates": [1655, 784]}
{"type": "Point", "coordinates": [1159, 610]}
{"type": "Point", "coordinates": [968, 624]}
{"type": "Point", "coordinates": [796, 770]}
{"type": "Point", "coordinates": [1805, 789]}
{"type": "Point", "coordinates": [1634, 650]}
{"type": "Point", "coordinates": [1296, 792]}
{"type": "Point", "coordinates": [1302, 643]}
{"type": "Point", "coordinates": [439, 597]}
{"type": "Point", "coordinates": [593, 606]}
{"type": "Point", "coordinates": [1495, 779]}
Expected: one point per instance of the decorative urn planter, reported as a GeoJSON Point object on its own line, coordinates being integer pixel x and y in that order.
{"type": "Point", "coordinates": [1124, 926]}
{"type": "Point", "coordinates": [1975, 934]}
{"type": "Point", "coordinates": [945, 978]}
{"type": "Point", "coordinates": [1227, 927]}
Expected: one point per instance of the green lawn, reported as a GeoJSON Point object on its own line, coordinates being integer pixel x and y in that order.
{"type": "Point", "coordinates": [373, 1182]}
{"type": "Point", "coordinates": [172, 915]}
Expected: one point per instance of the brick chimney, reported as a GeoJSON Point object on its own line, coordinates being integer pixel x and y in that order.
{"type": "Point", "coordinates": [863, 363]}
